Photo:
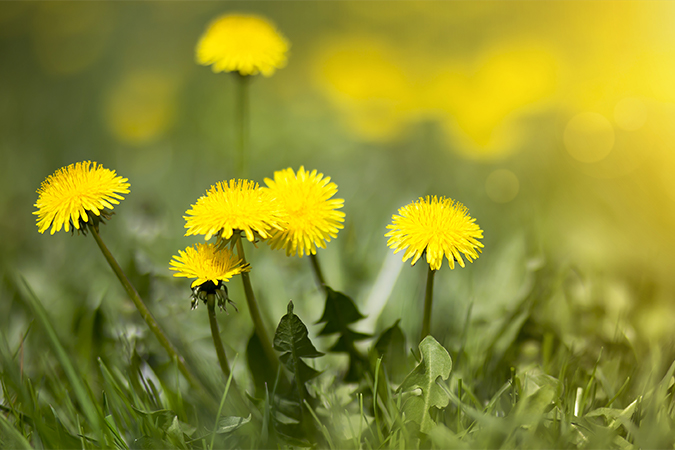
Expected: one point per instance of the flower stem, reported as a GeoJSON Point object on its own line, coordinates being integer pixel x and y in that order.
{"type": "Point", "coordinates": [255, 312]}
{"type": "Point", "coordinates": [215, 334]}
{"type": "Point", "coordinates": [242, 118]}
{"type": "Point", "coordinates": [428, 300]}
{"type": "Point", "coordinates": [144, 311]}
{"type": "Point", "coordinates": [318, 274]}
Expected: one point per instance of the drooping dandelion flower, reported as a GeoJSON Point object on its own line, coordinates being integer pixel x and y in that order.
{"type": "Point", "coordinates": [238, 206]}
{"type": "Point", "coordinates": [206, 263]}
{"type": "Point", "coordinates": [211, 267]}
{"type": "Point", "coordinates": [247, 44]}
{"type": "Point", "coordinates": [310, 214]}
{"type": "Point", "coordinates": [68, 196]}
{"type": "Point", "coordinates": [438, 227]}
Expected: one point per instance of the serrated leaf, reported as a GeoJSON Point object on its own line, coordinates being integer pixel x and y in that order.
{"type": "Point", "coordinates": [435, 363]}
{"type": "Point", "coordinates": [391, 347]}
{"type": "Point", "coordinates": [231, 423]}
{"type": "Point", "coordinates": [339, 312]}
{"type": "Point", "coordinates": [292, 338]}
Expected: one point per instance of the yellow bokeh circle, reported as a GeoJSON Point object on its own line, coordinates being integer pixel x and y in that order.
{"type": "Point", "coordinates": [589, 137]}
{"type": "Point", "coordinates": [502, 186]}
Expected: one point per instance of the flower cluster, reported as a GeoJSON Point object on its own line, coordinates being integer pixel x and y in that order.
{"type": "Point", "coordinates": [295, 212]}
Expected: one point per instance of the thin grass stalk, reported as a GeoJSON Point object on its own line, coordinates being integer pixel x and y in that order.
{"type": "Point", "coordinates": [242, 124]}
{"type": "Point", "coordinates": [230, 380]}
{"type": "Point", "coordinates": [215, 334]}
{"type": "Point", "coordinates": [428, 300]}
{"type": "Point", "coordinates": [318, 274]}
{"type": "Point", "coordinates": [144, 311]}
{"type": "Point", "coordinates": [253, 310]}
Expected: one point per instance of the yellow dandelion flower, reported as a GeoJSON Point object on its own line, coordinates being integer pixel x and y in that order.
{"type": "Point", "coordinates": [238, 206]}
{"type": "Point", "coordinates": [68, 195]}
{"type": "Point", "coordinates": [247, 44]}
{"type": "Point", "coordinates": [439, 227]}
{"type": "Point", "coordinates": [311, 216]}
{"type": "Point", "coordinates": [207, 263]}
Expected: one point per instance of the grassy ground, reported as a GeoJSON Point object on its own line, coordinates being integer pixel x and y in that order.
{"type": "Point", "coordinates": [558, 336]}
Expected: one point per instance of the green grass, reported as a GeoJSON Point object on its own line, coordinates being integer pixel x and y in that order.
{"type": "Point", "coordinates": [560, 334]}
{"type": "Point", "coordinates": [520, 380]}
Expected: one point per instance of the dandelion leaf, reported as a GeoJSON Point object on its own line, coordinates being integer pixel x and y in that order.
{"type": "Point", "coordinates": [338, 314]}
{"type": "Point", "coordinates": [435, 363]}
{"type": "Point", "coordinates": [390, 346]}
{"type": "Point", "coordinates": [292, 339]}
{"type": "Point", "coordinates": [231, 423]}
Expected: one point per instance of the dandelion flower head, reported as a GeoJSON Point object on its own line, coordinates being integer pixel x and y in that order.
{"type": "Point", "coordinates": [239, 205]}
{"type": "Point", "coordinates": [206, 262]}
{"type": "Point", "coordinates": [68, 195]}
{"type": "Point", "coordinates": [439, 227]}
{"type": "Point", "coordinates": [311, 216]}
{"type": "Point", "coordinates": [248, 44]}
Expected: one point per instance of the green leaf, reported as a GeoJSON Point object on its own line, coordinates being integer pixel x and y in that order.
{"type": "Point", "coordinates": [435, 363]}
{"type": "Point", "coordinates": [391, 347]}
{"type": "Point", "coordinates": [231, 423]}
{"type": "Point", "coordinates": [339, 312]}
{"type": "Point", "coordinates": [292, 338]}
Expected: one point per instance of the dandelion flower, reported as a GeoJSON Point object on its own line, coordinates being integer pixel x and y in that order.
{"type": "Point", "coordinates": [211, 267]}
{"type": "Point", "coordinates": [207, 263]}
{"type": "Point", "coordinates": [439, 227]}
{"type": "Point", "coordinates": [238, 206]}
{"type": "Point", "coordinates": [311, 216]}
{"type": "Point", "coordinates": [247, 44]}
{"type": "Point", "coordinates": [69, 195]}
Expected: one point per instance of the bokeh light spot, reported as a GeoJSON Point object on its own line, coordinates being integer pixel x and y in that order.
{"type": "Point", "coordinates": [502, 186]}
{"type": "Point", "coordinates": [141, 106]}
{"type": "Point", "coordinates": [630, 114]}
{"type": "Point", "coordinates": [589, 137]}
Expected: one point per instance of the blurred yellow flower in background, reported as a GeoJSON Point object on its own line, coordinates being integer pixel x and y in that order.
{"type": "Point", "coordinates": [68, 195]}
{"type": "Point", "coordinates": [310, 216]}
{"type": "Point", "coordinates": [238, 206]}
{"type": "Point", "coordinates": [437, 227]}
{"type": "Point", "coordinates": [141, 106]}
{"type": "Point", "coordinates": [247, 44]}
{"type": "Point", "coordinates": [206, 262]}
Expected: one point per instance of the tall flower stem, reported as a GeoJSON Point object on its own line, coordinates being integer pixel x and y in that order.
{"type": "Point", "coordinates": [215, 334]}
{"type": "Point", "coordinates": [242, 118]}
{"type": "Point", "coordinates": [318, 274]}
{"type": "Point", "coordinates": [144, 311]}
{"type": "Point", "coordinates": [428, 300]}
{"type": "Point", "coordinates": [255, 312]}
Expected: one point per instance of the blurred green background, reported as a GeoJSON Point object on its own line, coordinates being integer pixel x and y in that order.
{"type": "Point", "coordinates": [551, 121]}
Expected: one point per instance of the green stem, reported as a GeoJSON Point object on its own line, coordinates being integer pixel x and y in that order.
{"type": "Point", "coordinates": [242, 118]}
{"type": "Point", "coordinates": [215, 334]}
{"type": "Point", "coordinates": [318, 274]}
{"type": "Point", "coordinates": [428, 300]}
{"type": "Point", "coordinates": [144, 311]}
{"type": "Point", "coordinates": [255, 312]}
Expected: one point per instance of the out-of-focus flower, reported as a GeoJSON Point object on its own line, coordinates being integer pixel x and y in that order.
{"type": "Point", "coordinates": [68, 196]}
{"type": "Point", "coordinates": [207, 263]}
{"type": "Point", "coordinates": [310, 216]}
{"type": "Point", "coordinates": [437, 227]}
{"type": "Point", "coordinates": [238, 206]}
{"type": "Point", "coordinates": [141, 107]}
{"type": "Point", "coordinates": [247, 44]}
